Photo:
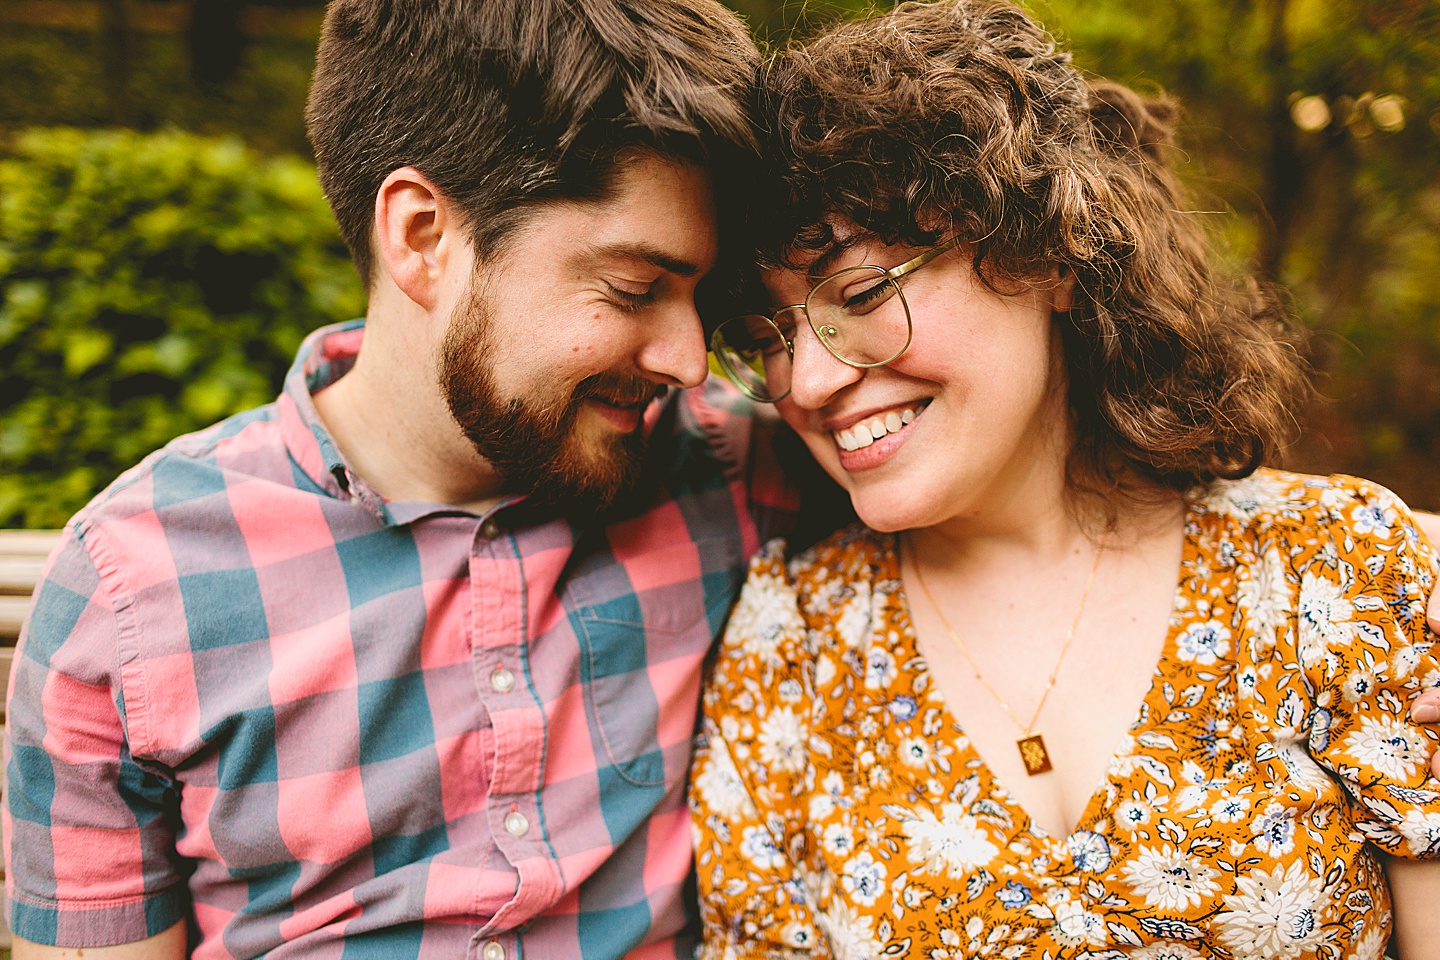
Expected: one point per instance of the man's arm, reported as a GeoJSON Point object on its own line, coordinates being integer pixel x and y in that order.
{"type": "Point", "coordinates": [1426, 708]}
{"type": "Point", "coordinates": [169, 945]}
{"type": "Point", "coordinates": [1414, 892]}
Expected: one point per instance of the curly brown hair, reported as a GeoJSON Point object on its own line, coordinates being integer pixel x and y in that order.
{"type": "Point", "coordinates": [964, 118]}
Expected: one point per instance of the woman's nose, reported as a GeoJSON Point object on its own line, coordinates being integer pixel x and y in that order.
{"type": "Point", "coordinates": [817, 374]}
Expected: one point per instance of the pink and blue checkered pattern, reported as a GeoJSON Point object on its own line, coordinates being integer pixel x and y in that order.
{"type": "Point", "coordinates": [254, 694]}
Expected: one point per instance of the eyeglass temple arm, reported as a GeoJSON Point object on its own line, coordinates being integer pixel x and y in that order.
{"type": "Point", "coordinates": [910, 266]}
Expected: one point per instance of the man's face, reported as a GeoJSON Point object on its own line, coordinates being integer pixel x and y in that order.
{"type": "Point", "coordinates": [584, 319]}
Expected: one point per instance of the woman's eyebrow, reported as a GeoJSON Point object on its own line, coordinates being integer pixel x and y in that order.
{"type": "Point", "coordinates": [820, 267]}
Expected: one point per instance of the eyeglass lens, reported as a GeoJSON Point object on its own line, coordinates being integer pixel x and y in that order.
{"type": "Point", "coordinates": [845, 311]}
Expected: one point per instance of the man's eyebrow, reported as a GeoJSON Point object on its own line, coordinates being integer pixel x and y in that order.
{"type": "Point", "coordinates": [650, 254]}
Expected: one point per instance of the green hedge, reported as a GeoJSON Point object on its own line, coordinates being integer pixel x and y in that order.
{"type": "Point", "coordinates": [150, 284]}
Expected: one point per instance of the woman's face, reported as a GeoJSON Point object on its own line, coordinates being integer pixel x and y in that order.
{"type": "Point", "coordinates": [974, 415]}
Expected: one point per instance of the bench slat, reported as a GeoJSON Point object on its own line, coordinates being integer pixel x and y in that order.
{"type": "Point", "coordinates": [20, 574]}
{"type": "Point", "coordinates": [12, 614]}
{"type": "Point", "coordinates": [28, 542]}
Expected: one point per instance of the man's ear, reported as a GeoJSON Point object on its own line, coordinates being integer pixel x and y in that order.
{"type": "Point", "coordinates": [416, 234]}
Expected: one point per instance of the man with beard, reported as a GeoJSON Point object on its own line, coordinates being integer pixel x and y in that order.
{"type": "Point", "coordinates": [407, 663]}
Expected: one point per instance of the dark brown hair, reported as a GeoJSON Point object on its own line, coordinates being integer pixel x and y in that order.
{"type": "Point", "coordinates": [509, 104]}
{"type": "Point", "coordinates": [963, 117]}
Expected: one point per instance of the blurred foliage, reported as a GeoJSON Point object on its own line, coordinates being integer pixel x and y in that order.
{"type": "Point", "coordinates": [1344, 212]}
{"type": "Point", "coordinates": [150, 284]}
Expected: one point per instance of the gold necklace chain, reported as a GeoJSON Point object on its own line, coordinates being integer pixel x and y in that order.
{"type": "Point", "coordinates": [1031, 745]}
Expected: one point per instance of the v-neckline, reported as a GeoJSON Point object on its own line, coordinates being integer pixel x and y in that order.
{"type": "Point", "coordinates": [1145, 709]}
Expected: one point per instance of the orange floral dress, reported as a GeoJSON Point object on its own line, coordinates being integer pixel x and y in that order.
{"type": "Point", "coordinates": [840, 810]}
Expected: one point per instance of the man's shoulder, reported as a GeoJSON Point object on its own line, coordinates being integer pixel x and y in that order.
{"type": "Point", "coordinates": [193, 467]}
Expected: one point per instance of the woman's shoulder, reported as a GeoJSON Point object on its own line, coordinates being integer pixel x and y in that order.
{"type": "Point", "coordinates": [1338, 508]}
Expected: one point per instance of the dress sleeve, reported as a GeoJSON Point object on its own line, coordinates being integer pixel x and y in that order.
{"type": "Point", "coordinates": [89, 843]}
{"type": "Point", "coordinates": [749, 778]}
{"type": "Point", "coordinates": [1367, 653]}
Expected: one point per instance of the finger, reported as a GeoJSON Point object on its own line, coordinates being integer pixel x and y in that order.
{"type": "Point", "coordinates": [1426, 707]}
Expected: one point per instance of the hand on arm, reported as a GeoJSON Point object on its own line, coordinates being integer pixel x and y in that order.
{"type": "Point", "coordinates": [169, 945]}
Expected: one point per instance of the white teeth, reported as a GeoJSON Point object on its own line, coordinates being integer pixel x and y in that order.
{"type": "Point", "coordinates": [867, 432]}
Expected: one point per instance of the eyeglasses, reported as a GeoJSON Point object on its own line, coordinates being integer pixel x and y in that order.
{"type": "Point", "coordinates": [846, 310]}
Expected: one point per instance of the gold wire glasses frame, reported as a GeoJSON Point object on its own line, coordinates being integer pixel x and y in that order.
{"type": "Point", "coordinates": [756, 352]}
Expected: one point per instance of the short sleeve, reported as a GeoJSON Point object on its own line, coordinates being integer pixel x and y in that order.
{"type": "Point", "coordinates": [1367, 652]}
{"type": "Point", "coordinates": [89, 843]}
{"type": "Point", "coordinates": [749, 777]}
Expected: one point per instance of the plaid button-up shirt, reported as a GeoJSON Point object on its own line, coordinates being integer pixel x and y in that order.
{"type": "Point", "coordinates": [253, 693]}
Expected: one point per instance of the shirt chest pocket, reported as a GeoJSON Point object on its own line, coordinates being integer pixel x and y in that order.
{"type": "Point", "coordinates": [641, 652]}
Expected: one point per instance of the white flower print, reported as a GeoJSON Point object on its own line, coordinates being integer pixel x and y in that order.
{"type": "Point", "coordinates": [720, 786]}
{"type": "Point", "coordinates": [1276, 914]}
{"type": "Point", "coordinates": [1131, 815]}
{"type": "Point", "coordinates": [1275, 830]}
{"type": "Point", "coordinates": [950, 844]}
{"type": "Point", "coordinates": [1242, 499]}
{"type": "Point", "coordinates": [1089, 850]}
{"type": "Point", "coordinates": [1165, 950]}
{"type": "Point", "coordinates": [837, 840]}
{"type": "Point", "coordinates": [863, 879]}
{"type": "Point", "coordinates": [758, 846]}
{"type": "Point", "coordinates": [915, 751]}
{"type": "Point", "coordinates": [1204, 643]}
{"type": "Point", "coordinates": [854, 621]}
{"type": "Point", "coordinates": [1301, 767]}
{"type": "Point", "coordinates": [1372, 519]}
{"type": "Point", "coordinates": [1075, 926]}
{"type": "Point", "coordinates": [1421, 831]}
{"type": "Point", "coordinates": [1264, 595]}
{"type": "Point", "coordinates": [1230, 808]}
{"type": "Point", "coordinates": [1371, 945]}
{"type": "Point", "coordinates": [1169, 879]}
{"type": "Point", "coordinates": [1359, 686]}
{"type": "Point", "coordinates": [798, 935]}
{"type": "Point", "coordinates": [763, 616]}
{"type": "Point", "coordinates": [879, 668]}
{"type": "Point", "coordinates": [1389, 747]}
{"type": "Point", "coordinates": [850, 934]}
{"type": "Point", "coordinates": [782, 741]}
{"type": "Point", "coordinates": [1325, 618]}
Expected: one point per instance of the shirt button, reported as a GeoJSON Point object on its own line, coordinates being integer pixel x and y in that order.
{"type": "Point", "coordinates": [515, 823]}
{"type": "Point", "coordinates": [502, 680]}
{"type": "Point", "coordinates": [491, 530]}
{"type": "Point", "coordinates": [493, 951]}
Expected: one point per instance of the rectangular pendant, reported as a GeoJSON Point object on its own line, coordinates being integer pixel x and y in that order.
{"type": "Point", "coordinates": [1033, 753]}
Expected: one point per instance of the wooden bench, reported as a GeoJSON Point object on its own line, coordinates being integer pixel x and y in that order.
{"type": "Point", "coordinates": [22, 557]}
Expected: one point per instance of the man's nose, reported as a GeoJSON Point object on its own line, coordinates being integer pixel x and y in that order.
{"type": "Point", "coordinates": [674, 350]}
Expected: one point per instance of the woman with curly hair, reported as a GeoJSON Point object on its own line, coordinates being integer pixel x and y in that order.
{"type": "Point", "coordinates": [1085, 678]}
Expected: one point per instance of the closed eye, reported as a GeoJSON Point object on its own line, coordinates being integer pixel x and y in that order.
{"type": "Point", "coordinates": [869, 296]}
{"type": "Point", "coordinates": [630, 301]}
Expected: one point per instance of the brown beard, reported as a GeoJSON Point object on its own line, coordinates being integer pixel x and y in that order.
{"type": "Point", "coordinates": [535, 447]}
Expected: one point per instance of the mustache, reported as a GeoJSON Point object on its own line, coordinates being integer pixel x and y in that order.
{"type": "Point", "coordinates": [618, 389]}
